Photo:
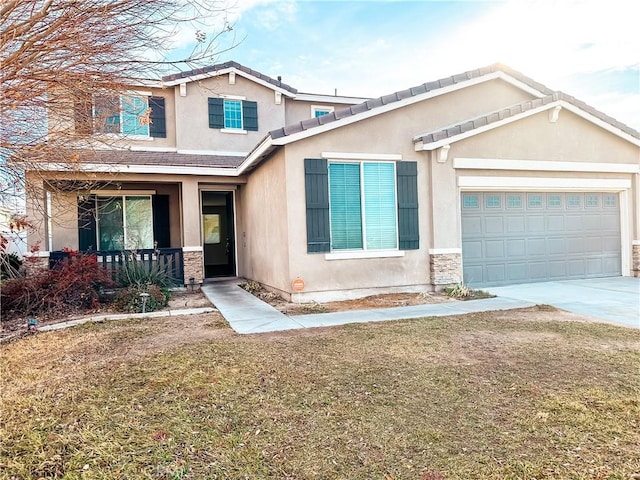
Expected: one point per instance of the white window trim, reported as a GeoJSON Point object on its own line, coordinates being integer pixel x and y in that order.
{"type": "Point", "coordinates": [363, 211]}
{"type": "Point", "coordinates": [237, 131]}
{"type": "Point", "coordinates": [121, 135]}
{"type": "Point", "coordinates": [355, 254]}
{"type": "Point", "coordinates": [320, 108]}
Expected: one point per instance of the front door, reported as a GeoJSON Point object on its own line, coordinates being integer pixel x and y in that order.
{"type": "Point", "coordinates": [218, 235]}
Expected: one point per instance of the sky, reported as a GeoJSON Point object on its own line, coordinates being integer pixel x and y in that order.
{"type": "Point", "coordinates": [589, 49]}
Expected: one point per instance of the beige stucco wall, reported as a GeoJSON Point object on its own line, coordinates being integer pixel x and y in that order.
{"type": "Point", "coordinates": [193, 132]}
{"type": "Point", "coordinates": [298, 110]}
{"type": "Point", "coordinates": [263, 245]}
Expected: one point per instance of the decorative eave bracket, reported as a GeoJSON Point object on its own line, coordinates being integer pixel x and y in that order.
{"type": "Point", "coordinates": [555, 114]}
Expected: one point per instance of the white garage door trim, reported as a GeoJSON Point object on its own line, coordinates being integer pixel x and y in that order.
{"type": "Point", "coordinates": [564, 184]}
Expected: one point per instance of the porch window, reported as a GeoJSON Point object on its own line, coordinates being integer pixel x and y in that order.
{"type": "Point", "coordinates": [362, 206]}
{"type": "Point", "coordinates": [124, 222]}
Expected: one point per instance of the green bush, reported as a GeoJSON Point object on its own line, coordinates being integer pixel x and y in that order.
{"type": "Point", "coordinates": [130, 301]}
{"type": "Point", "coordinates": [135, 272]}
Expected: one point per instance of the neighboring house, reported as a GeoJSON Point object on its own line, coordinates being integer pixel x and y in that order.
{"type": "Point", "coordinates": [486, 177]}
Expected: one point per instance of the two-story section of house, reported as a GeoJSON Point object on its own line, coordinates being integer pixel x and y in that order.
{"type": "Point", "coordinates": [485, 177]}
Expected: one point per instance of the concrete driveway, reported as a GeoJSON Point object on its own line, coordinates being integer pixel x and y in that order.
{"type": "Point", "coordinates": [613, 299]}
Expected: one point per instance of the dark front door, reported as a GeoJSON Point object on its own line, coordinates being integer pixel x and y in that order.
{"type": "Point", "coordinates": [218, 234]}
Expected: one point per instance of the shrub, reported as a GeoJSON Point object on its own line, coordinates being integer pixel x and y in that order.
{"type": "Point", "coordinates": [72, 285]}
{"type": "Point", "coordinates": [135, 272]}
{"type": "Point", "coordinates": [129, 300]}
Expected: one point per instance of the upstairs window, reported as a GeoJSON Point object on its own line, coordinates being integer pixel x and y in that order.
{"type": "Point", "coordinates": [233, 115]}
{"type": "Point", "coordinates": [132, 115]}
{"type": "Point", "coordinates": [127, 114]}
{"type": "Point", "coordinates": [319, 111]}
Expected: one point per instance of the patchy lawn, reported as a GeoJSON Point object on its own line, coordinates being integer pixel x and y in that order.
{"type": "Point", "coordinates": [524, 394]}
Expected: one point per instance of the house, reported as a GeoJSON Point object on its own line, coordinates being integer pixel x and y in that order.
{"type": "Point", "coordinates": [485, 177]}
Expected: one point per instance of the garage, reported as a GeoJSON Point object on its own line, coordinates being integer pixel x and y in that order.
{"type": "Point", "coordinates": [519, 237]}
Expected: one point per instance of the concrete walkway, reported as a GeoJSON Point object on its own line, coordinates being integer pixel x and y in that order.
{"type": "Point", "coordinates": [613, 299]}
{"type": "Point", "coordinates": [248, 314]}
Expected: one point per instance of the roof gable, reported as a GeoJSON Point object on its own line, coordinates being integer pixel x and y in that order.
{"type": "Point", "coordinates": [496, 119]}
{"type": "Point", "coordinates": [227, 67]}
{"type": "Point", "coordinates": [406, 97]}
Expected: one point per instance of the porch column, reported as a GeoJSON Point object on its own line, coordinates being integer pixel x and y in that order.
{"type": "Point", "coordinates": [445, 254]}
{"type": "Point", "coordinates": [191, 236]}
{"type": "Point", "coordinates": [37, 256]}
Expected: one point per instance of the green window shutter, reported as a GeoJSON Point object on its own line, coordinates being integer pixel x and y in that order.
{"type": "Point", "coordinates": [317, 199]}
{"type": "Point", "coordinates": [161, 223]}
{"type": "Point", "coordinates": [158, 126]}
{"type": "Point", "coordinates": [250, 115]}
{"type": "Point", "coordinates": [216, 113]}
{"type": "Point", "coordinates": [380, 205]}
{"type": "Point", "coordinates": [87, 223]}
{"type": "Point", "coordinates": [346, 210]}
{"type": "Point", "coordinates": [407, 181]}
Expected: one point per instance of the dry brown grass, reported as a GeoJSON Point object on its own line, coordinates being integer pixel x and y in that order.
{"type": "Point", "coordinates": [505, 395]}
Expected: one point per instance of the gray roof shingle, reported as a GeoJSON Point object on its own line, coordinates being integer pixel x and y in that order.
{"type": "Point", "coordinates": [502, 114]}
{"type": "Point", "coordinates": [222, 66]}
{"type": "Point", "coordinates": [128, 157]}
{"type": "Point", "coordinates": [404, 94]}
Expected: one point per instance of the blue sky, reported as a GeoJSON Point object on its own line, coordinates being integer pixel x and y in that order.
{"type": "Point", "coordinates": [588, 49]}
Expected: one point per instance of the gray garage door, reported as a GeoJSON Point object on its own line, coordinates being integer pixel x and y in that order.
{"type": "Point", "coordinates": [519, 237]}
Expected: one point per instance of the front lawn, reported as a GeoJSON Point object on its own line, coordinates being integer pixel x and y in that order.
{"type": "Point", "coordinates": [507, 395]}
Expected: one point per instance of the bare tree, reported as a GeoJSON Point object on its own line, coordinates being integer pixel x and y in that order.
{"type": "Point", "coordinates": [55, 54]}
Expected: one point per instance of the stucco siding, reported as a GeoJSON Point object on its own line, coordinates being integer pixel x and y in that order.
{"type": "Point", "coordinates": [263, 245]}
{"type": "Point", "coordinates": [193, 132]}
{"type": "Point", "coordinates": [323, 275]}
{"type": "Point", "coordinates": [570, 139]}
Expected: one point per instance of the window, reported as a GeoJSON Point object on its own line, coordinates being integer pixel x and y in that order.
{"type": "Point", "coordinates": [554, 201]}
{"type": "Point", "coordinates": [514, 201]}
{"type": "Point", "coordinates": [124, 222]}
{"type": "Point", "coordinates": [233, 115]}
{"type": "Point", "coordinates": [492, 201]}
{"type": "Point", "coordinates": [609, 201]}
{"type": "Point", "coordinates": [368, 206]}
{"type": "Point", "coordinates": [534, 201]}
{"type": "Point", "coordinates": [362, 201]}
{"type": "Point", "coordinates": [591, 201]}
{"type": "Point", "coordinates": [573, 201]}
{"type": "Point", "coordinates": [470, 201]}
{"type": "Point", "coordinates": [318, 111]}
{"type": "Point", "coordinates": [127, 114]}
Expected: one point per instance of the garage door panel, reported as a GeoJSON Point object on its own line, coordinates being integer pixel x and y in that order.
{"type": "Point", "coordinates": [494, 225]}
{"type": "Point", "coordinates": [515, 224]}
{"type": "Point", "coordinates": [555, 223]}
{"type": "Point", "coordinates": [495, 273]}
{"type": "Point", "coordinates": [516, 248]}
{"type": "Point", "coordinates": [472, 249]}
{"type": "Point", "coordinates": [535, 224]}
{"type": "Point", "coordinates": [512, 237]}
{"type": "Point", "coordinates": [556, 246]}
{"type": "Point", "coordinates": [494, 249]}
{"type": "Point", "coordinates": [471, 225]}
{"type": "Point", "coordinates": [536, 246]}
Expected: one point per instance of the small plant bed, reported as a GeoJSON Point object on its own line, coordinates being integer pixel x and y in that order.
{"type": "Point", "coordinates": [373, 301]}
{"type": "Point", "coordinates": [464, 292]}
